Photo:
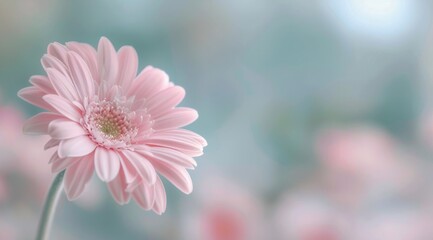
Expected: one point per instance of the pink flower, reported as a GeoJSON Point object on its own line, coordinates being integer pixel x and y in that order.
{"type": "Point", "coordinates": [425, 129]}
{"type": "Point", "coordinates": [397, 224]}
{"type": "Point", "coordinates": [224, 211]}
{"type": "Point", "coordinates": [306, 215]}
{"type": "Point", "coordinates": [7, 231]}
{"type": "Point", "coordinates": [102, 116]}
{"type": "Point", "coordinates": [356, 150]}
{"type": "Point", "coordinates": [363, 163]}
{"type": "Point", "coordinates": [15, 161]}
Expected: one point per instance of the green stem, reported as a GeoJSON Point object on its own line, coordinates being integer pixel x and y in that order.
{"type": "Point", "coordinates": [50, 207]}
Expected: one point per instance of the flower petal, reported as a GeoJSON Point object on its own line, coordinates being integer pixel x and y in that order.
{"type": "Point", "coordinates": [107, 62]}
{"type": "Point", "coordinates": [189, 147]}
{"type": "Point", "coordinates": [58, 51]}
{"type": "Point", "coordinates": [144, 195]}
{"type": "Point", "coordinates": [59, 164]}
{"type": "Point", "coordinates": [62, 84]}
{"type": "Point", "coordinates": [54, 158]}
{"type": "Point", "coordinates": [134, 184]}
{"type": "Point", "coordinates": [76, 147]}
{"type": "Point", "coordinates": [34, 95]}
{"type": "Point", "coordinates": [77, 176]}
{"type": "Point", "coordinates": [182, 133]}
{"type": "Point", "coordinates": [38, 124]}
{"type": "Point", "coordinates": [107, 164]}
{"type": "Point", "coordinates": [171, 156]}
{"type": "Point", "coordinates": [142, 166]}
{"type": "Point", "coordinates": [128, 65]}
{"type": "Point", "coordinates": [81, 75]}
{"type": "Point", "coordinates": [160, 203]}
{"type": "Point", "coordinates": [51, 143]}
{"type": "Point", "coordinates": [43, 83]}
{"type": "Point", "coordinates": [129, 170]}
{"type": "Point", "coordinates": [65, 128]}
{"type": "Point", "coordinates": [117, 188]}
{"type": "Point", "coordinates": [150, 81]}
{"type": "Point", "coordinates": [165, 100]}
{"type": "Point", "coordinates": [88, 54]}
{"type": "Point", "coordinates": [178, 176]}
{"type": "Point", "coordinates": [176, 118]}
{"type": "Point", "coordinates": [49, 61]}
{"type": "Point", "coordinates": [63, 106]}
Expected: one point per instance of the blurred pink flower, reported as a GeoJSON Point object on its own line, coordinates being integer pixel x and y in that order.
{"type": "Point", "coordinates": [425, 129]}
{"type": "Point", "coordinates": [7, 231]}
{"type": "Point", "coordinates": [359, 150]}
{"type": "Point", "coordinates": [11, 121]}
{"type": "Point", "coordinates": [13, 160]}
{"type": "Point", "coordinates": [364, 162]}
{"type": "Point", "coordinates": [29, 164]}
{"type": "Point", "coordinates": [4, 189]}
{"type": "Point", "coordinates": [102, 117]}
{"type": "Point", "coordinates": [23, 179]}
{"type": "Point", "coordinates": [398, 224]}
{"type": "Point", "coordinates": [226, 212]}
{"type": "Point", "coordinates": [306, 216]}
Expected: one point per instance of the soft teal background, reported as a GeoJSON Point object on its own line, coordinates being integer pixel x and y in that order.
{"type": "Point", "coordinates": [265, 77]}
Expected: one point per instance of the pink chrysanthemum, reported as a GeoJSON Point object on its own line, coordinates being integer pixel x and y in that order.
{"type": "Point", "coordinates": [104, 117]}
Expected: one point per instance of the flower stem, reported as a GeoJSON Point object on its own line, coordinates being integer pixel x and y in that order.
{"type": "Point", "coordinates": [50, 207]}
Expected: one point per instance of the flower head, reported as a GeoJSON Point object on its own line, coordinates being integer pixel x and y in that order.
{"type": "Point", "coordinates": [102, 116]}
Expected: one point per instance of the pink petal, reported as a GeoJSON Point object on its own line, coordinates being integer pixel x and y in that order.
{"type": "Point", "coordinates": [176, 118]}
{"type": "Point", "coordinates": [150, 81]}
{"type": "Point", "coordinates": [117, 188]}
{"type": "Point", "coordinates": [49, 61]}
{"type": "Point", "coordinates": [178, 176]}
{"type": "Point", "coordinates": [144, 195]}
{"type": "Point", "coordinates": [107, 164]}
{"type": "Point", "coordinates": [189, 147]}
{"type": "Point", "coordinates": [129, 169]}
{"type": "Point", "coordinates": [65, 128]}
{"type": "Point", "coordinates": [79, 106]}
{"type": "Point", "coordinates": [107, 61]}
{"type": "Point", "coordinates": [38, 124]}
{"type": "Point", "coordinates": [60, 164]}
{"type": "Point", "coordinates": [171, 156]}
{"type": "Point", "coordinates": [88, 54]}
{"type": "Point", "coordinates": [63, 106]}
{"type": "Point", "coordinates": [128, 65]}
{"type": "Point", "coordinates": [134, 184]}
{"type": "Point", "coordinates": [81, 75]}
{"type": "Point", "coordinates": [165, 100]}
{"type": "Point", "coordinates": [33, 95]}
{"type": "Point", "coordinates": [43, 83]}
{"type": "Point", "coordinates": [76, 147]}
{"type": "Point", "coordinates": [58, 51]}
{"type": "Point", "coordinates": [160, 203]}
{"type": "Point", "coordinates": [51, 143]}
{"type": "Point", "coordinates": [182, 133]}
{"type": "Point", "coordinates": [54, 158]}
{"type": "Point", "coordinates": [141, 165]}
{"type": "Point", "coordinates": [77, 176]}
{"type": "Point", "coordinates": [62, 84]}
{"type": "Point", "coordinates": [113, 92]}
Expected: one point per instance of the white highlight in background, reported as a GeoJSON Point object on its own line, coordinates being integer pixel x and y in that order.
{"type": "Point", "coordinates": [383, 20]}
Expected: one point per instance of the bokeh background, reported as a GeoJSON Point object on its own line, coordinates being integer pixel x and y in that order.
{"type": "Point", "coordinates": [318, 115]}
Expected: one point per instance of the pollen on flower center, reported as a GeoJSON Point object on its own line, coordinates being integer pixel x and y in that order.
{"type": "Point", "coordinates": [109, 122]}
{"type": "Point", "coordinates": [110, 127]}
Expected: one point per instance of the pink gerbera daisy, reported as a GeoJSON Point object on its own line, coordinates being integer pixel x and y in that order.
{"type": "Point", "coordinates": [102, 116]}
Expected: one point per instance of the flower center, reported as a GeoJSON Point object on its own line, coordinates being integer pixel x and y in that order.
{"type": "Point", "coordinates": [110, 123]}
{"type": "Point", "coordinates": [110, 127]}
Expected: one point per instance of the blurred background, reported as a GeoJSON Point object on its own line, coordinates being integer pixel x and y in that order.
{"type": "Point", "coordinates": [318, 114]}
